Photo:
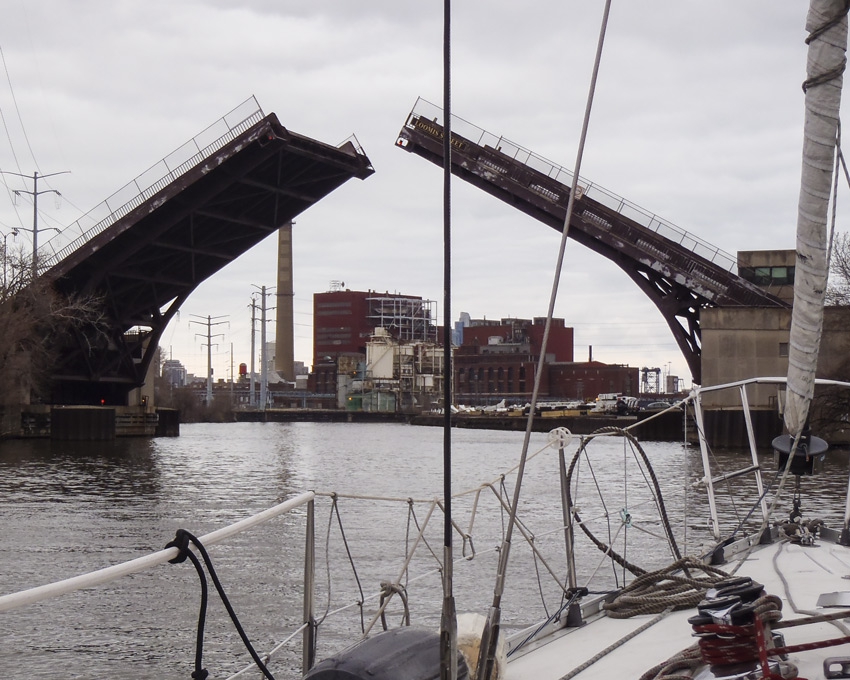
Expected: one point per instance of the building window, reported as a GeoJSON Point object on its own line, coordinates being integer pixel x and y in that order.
{"type": "Point", "coordinates": [767, 276]}
{"type": "Point", "coordinates": [783, 349]}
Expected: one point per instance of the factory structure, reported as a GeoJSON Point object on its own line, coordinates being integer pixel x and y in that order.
{"type": "Point", "coordinates": [375, 351]}
{"type": "Point", "coordinates": [383, 352]}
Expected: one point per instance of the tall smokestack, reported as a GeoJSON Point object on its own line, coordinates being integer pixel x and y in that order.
{"type": "Point", "coordinates": [284, 354]}
{"type": "Point", "coordinates": [589, 353]}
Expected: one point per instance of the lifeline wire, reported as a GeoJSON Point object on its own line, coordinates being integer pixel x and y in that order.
{"type": "Point", "coordinates": [503, 561]}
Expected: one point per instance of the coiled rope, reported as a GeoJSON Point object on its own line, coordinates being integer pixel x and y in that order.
{"type": "Point", "coordinates": [723, 644]}
{"type": "Point", "coordinates": [670, 588]}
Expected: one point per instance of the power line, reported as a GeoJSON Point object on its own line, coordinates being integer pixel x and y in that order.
{"type": "Point", "coordinates": [10, 191]}
{"type": "Point", "coordinates": [18, 111]}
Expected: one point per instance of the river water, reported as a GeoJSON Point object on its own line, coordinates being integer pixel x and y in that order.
{"type": "Point", "coordinates": [67, 508]}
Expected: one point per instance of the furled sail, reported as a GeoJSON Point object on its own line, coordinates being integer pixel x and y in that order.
{"type": "Point", "coordinates": [827, 26]}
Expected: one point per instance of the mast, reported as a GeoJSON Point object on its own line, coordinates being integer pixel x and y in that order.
{"type": "Point", "coordinates": [448, 618]}
{"type": "Point", "coordinates": [827, 40]}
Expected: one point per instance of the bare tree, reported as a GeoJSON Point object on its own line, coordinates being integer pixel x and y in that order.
{"type": "Point", "coordinates": [33, 316]}
{"type": "Point", "coordinates": [838, 290]}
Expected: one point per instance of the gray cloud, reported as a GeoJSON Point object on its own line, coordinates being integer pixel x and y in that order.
{"type": "Point", "coordinates": [697, 118]}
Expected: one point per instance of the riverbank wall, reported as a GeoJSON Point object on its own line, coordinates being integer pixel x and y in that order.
{"type": "Point", "coordinates": [88, 423]}
{"type": "Point", "coordinates": [664, 427]}
{"type": "Point", "coordinates": [725, 428]}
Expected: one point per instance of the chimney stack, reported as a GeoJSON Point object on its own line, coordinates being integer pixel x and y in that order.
{"type": "Point", "coordinates": [284, 354]}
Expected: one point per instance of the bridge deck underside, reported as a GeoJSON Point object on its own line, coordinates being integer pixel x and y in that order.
{"type": "Point", "coordinates": [677, 280]}
{"type": "Point", "coordinates": [146, 264]}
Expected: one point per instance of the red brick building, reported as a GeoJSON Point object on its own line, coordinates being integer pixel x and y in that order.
{"type": "Point", "coordinates": [498, 360]}
{"type": "Point", "coordinates": [344, 320]}
{"type": "Point", "coordinates": [495, 359]}
{"type": "Point", "coordinates": [586, 380]}
{"type": "Point", "coordinates": [512, 336]}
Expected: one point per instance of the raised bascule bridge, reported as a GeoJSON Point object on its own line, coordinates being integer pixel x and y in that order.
{"type": "Point", "coordinates": [680, 273]}
{"type": "Point", "coordinates": [146, 248]}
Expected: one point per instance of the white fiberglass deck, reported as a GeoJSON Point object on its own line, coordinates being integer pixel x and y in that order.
{"type": "Point", "coordinates": [808, 570]}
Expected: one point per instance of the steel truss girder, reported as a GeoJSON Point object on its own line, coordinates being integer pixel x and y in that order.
{"type": "Point", "coordinates": [146, 264]}
{"type": "Point", "coordinates": [678, 281]}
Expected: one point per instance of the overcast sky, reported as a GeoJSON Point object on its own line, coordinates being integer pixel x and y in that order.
{"type": "Point", "coordinates": [697, 118]}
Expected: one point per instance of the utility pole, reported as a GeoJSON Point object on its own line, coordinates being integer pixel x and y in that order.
{"type": "Point", "coordinates": [264, 364]}
{"type": "Point", "coordinates": [209, 324]}
{"type": "Point", "coordinates": [252, 399]}
{"type": "Point", "coordinates": [13, 234]}
{"type": "Point", "coordinates": [35, 194]}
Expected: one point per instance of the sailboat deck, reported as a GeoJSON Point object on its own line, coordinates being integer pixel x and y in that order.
{"type": "Point", "coordinates": [818, 569]}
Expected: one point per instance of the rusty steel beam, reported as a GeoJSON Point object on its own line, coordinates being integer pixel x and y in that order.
{"type": "Point", "coordinates": [145, 264]}
{"type": "Point", "coordinates": [679, 281]}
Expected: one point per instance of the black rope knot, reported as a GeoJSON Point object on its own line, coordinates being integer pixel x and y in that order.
{"type": "Point", "coordinates": [181, 542]}
{"type": "Point", "coordinates": [387, 591]}
{"type": "Point", "coordinates": [572, 593]}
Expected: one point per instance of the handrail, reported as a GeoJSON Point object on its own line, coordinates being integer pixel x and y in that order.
{"type": "Point", "coordinates": [425, 109]}
{"type": "Point", "coordinates": [154, 179]}
{"type": "Point", "coordinates": [107, 574]}
{"type": "Point", "coordinates": [708, 479]}
{"type": "Point", "coordinates": [772, 380]}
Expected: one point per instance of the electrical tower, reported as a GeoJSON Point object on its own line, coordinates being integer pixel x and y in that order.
{"type": "Point", "coordinates": [209, 344]}
{"type": "Point", "coordinates": [650, 380]}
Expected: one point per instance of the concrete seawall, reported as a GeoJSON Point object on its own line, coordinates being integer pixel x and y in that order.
{"type": "Point", "coordinates": [88, 423]}
{"type": "Point", "coordinates": [667, 427]}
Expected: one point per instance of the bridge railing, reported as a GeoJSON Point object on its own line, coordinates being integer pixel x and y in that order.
{"type": "Point", "coordinates": [132, 195]}
{"type": "Point", "coordinates": [609, 199]}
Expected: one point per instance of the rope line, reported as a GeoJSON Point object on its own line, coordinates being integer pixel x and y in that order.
{"type": "Point", "coordinates": [667, 588]}
{"type": "Point", "coordinates": [574, 597]}
{"type": "Point", "coordinates": [610, 648]}
{"type": "Point", "coordinates": [335, 511]}
{"type": "Point", "coordinates": [181, 541]}
{"type": "Point", "coordinates": [488, 643]}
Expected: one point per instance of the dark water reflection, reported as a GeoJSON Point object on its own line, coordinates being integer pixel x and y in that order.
{"type": "Point", "coordinates": [68, 508]}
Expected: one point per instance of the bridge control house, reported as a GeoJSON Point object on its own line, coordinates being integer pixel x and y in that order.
{"type": "Point", "coordinates": [744, 342]}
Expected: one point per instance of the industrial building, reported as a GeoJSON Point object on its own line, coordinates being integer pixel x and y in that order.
{"type": "Point", "coordinates": [397, 376]}
{"type": "Point", "coordinates": [498, 360]}
{"type": "Point", "coordinates": [345, 320]}
{"type": "Point", "coordinates": [745, 342]}
{"type": "Point", "coordinates": [376, 352]}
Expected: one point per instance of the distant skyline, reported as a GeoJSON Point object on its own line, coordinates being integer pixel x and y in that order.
{"type": "Point", "coordinates": [697, 118]}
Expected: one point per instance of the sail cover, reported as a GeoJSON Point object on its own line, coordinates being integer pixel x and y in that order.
{"type": "Point", "coordinates": [827, 26]}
